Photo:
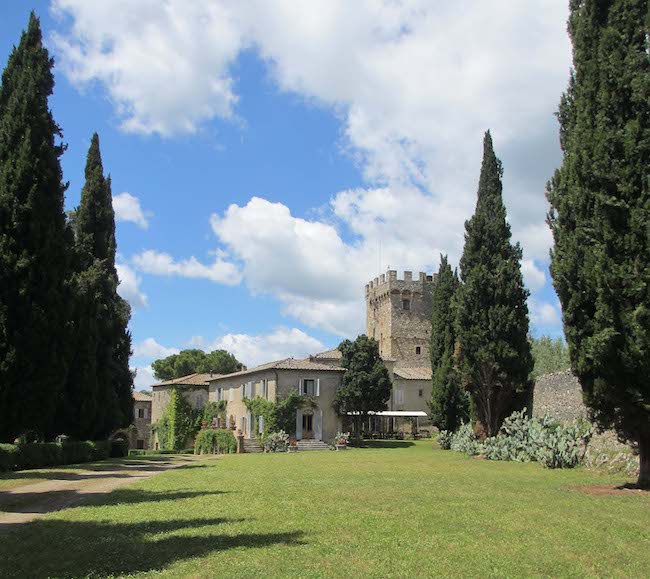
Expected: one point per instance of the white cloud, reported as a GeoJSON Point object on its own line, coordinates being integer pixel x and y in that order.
{"type": "Point", "coordinates": [127, 208]}
{"type": "Point", "coordinates": [545, 315]}
{"type": "Point", "coordinates": [159, 263]}
{"type": "Point", "coordinates": [129, 286]}
{"type": "Point", "coordinates": [414, 83]}
{"type": "Point", "coordinates": [282, 343]}
{"type": "Point", "coordinates": [534, 278]}
{"type": "Point", "coordinates": [143, 377]}
{"type": "Point", "coordinates": [152, 350]}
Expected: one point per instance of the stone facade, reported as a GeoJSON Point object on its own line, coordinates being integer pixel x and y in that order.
{"type": "Point", "coordinates": [274, 382]}
{"type": "Point", "coordinates": [559, 395]}
{"type": "Point", "coordinates": [398, 316]}
{"type": "Point", "coordinates": [140, 438]}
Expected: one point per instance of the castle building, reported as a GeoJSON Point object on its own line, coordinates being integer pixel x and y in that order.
{"type": "Point", "coordinates": [398, 316]}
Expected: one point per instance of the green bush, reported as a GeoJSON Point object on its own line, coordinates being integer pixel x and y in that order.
{"type": "Point", "coordinates": [8, 457]}
{"type": "Point", "coordinates": [444, 439]}
{"type": "Point", "coordinates": [101, 450]}
{"type": "Point", "coordinates": [464, 440]}
{"type": "Point", "coordinates": [276, 442]}
{"type": "Point", "coordinates": [119, 448]}
{"type": "Point", "coordinates": [39, 454]}
{"type": "Point", "coordinates": [77, 451]}
{"type": "Point", "coordinates": [217, 441]}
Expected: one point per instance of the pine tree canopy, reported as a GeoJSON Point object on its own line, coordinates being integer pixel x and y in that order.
{"type": "Point", "coordinates": [33, 252]}
{"type": "Point", "coordinates": [600, 215]}
{"type": "Point", "coordinates": [492, 315]}
{"type": "Point", "coordinates": [449, 405]}
{"type": "Point", "coordinates": [195, 361]}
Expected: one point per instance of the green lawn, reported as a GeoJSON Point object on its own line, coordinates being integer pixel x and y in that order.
{"type": "Point", "coordinates": [404, 511]}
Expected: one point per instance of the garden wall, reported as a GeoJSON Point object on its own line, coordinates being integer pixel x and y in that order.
{"type": "Point", "coordinates": [559, 395]}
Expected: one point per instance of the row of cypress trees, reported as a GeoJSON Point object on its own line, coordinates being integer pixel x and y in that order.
{"type": "Point", "coordinates": [480, 353]}
{"type": "Point", "coordinates": [64, 342]}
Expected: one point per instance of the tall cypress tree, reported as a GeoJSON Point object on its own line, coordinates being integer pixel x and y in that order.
{"type": "Point", "coordinates": [449, 405]}
{"type": "Point", "coordinates": [600, 211]}
{"type": "Point", "coordinates": [492, 315]}
{"type": "Point", "coordinates": [99, 389]}
{"type": "Point", "coordinates": [33, 247]}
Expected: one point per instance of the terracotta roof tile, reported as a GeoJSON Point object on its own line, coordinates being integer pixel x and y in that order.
{"type": "Point", "coordinates": [423, 373]}
{"type": "Point", "coordinates": [286, 364]}
{"type": "Point", "coordinates": [189, 380]}
{"type": "Point", "coordinates": [141, 396]}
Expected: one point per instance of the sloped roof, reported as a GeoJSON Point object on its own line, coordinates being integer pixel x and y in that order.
{"type": "Point", "coordinates": [286, 364]}
{"type": "Point", "coordinates": [423, 373]}
{"type": "Point", "coordinates": [141, 396]}
{"type": "Point", "coordinates": [189, 380]}
{"type": "Point", "coordinates": [333, 354]}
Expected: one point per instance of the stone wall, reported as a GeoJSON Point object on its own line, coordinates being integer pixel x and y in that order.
{"type": "Point", "coordinates": [403, 333]}
{"type": "Point", "coordinates": [559, 395]}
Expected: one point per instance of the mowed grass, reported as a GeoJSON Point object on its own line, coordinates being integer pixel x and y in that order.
{"type": "Point", "coordinates": [405, 511]}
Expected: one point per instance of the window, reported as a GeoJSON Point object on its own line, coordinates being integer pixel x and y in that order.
{"type": "Point", "coordinates": [310, 387]}
{"type": "Point", "coordinates": [418, 350]}
{"type": "Point", "coordinates": [248, 390]}
{"type": "Point", "coordinates": [265, 388]}
{"type": "Point", "coordinates": [141, 413]}
{"type": "Point", "coordinates": [139, 444]}
{"type": "Point", "coordinates": [231, 393]}
{"type": "Point", "coordinates": [399, 396]}
{"type": "Point", "coordinates": [420, 392]}
{"type": "Point", "coordinates": [406, 305]}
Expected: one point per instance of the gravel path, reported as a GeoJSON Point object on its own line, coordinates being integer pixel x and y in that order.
{"type": "Point", "coordinates": [67, 488]}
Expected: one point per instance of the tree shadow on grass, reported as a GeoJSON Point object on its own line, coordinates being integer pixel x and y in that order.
{"type": "Point", "coordinates": [49, 502]}
{"type": "Point", "coordinates": [384, 444]}
{"type": "Point", "coordinates": [56, 548]}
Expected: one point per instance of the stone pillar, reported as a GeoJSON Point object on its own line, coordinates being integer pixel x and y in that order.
{"type": "Point", "coordinates": [240, 442]}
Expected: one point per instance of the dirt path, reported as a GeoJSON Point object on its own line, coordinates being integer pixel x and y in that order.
{"type": "Point", "coordinates": [70, 487]}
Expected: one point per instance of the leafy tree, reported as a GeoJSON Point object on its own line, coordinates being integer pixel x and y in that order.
{"type": "Point", "coordinates": [449, 405]}
{"type": "Point", "coordinates": [600, 211]}
{"type": "Point", "coordinates": [550, 355]}
{"type": "Point", "coordinates": [366, 385]}
{"type": "Point", "coordinates": [195, 361]}
{"type": "Point", "coordinates": [33, 244]}
{"type": "Point", "coordinates": [492, 315]}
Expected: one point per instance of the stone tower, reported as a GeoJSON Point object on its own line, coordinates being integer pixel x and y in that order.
{"type": "Point", "coordinates": [398, 316]}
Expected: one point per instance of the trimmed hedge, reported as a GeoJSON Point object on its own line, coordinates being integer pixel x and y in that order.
{"type": "Point", "coordinates": [43, 454]}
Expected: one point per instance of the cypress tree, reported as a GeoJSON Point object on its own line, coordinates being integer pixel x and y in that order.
{"type": "Point", "coordinates": [492, 315]}
{"type": "Point", "coordinates": [33, 246]}
{"type": "Point", "coordinates": [100, 384]}
{"type": "Point", "coordinates": [449, 405]}
{"type": "Point", "coordinates": [600, 211]}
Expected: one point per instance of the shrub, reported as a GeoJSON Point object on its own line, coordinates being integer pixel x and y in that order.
{"type": "Point", "coordinates": [8, 457]}
{"type": "Point", "coordinates": [76, 451]}
{"type": "Point", "coordinates": [101, 450]}
{"type": "Point", "coordinates": [444, 439]}
{"type": "Point", "coordinates": [39, 454]}
{"type": "Point", "coordinates": [119, 448]}
{"type": "Point", "coordinates": [217, 441]}
{"type": "Point", "coordinates": [465, 440]}
{"type": "Point", "coordinates": [276, 442]}
{"type": "Point", "coordinates": [146, 452]}
{"type": "Point", "coordinates": [524, 439]}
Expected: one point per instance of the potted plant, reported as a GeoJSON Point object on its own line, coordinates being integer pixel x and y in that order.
{"type": "Point", "coordinates": [293, 445]}
{"type": "Point", "coordinates": [341, 440]}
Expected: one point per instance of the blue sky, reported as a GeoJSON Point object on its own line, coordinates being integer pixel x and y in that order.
{"type": "Point", "coordinates": [267, 160]}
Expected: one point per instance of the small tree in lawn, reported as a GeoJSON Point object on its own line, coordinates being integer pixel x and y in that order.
{"type": "Point", "coordinates": [492, 315]}
{"type": "Point", "coordinates": [600, 216]}
{"type": "Point", "coordinates": [449, 405]}
{"type": "Point", "coordinates": [366, 385]}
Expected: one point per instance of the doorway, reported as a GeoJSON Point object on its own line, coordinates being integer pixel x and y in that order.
{"type": "Point", "coordinates": [307, 426]}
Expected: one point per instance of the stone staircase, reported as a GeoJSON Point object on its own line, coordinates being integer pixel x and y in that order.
{"type": "Point", "coordinates": [251, 446]}
{"type": "Point", "coordinates": [312, 445]}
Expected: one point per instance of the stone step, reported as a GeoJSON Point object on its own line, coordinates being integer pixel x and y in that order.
{"type": "Point", "coordinates": [312, 445]}
{"type": "Point", "coordinates": [251, 446]}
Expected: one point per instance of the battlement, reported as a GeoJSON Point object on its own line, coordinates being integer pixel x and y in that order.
{"type": "Point", "coordinates": [391, 278]}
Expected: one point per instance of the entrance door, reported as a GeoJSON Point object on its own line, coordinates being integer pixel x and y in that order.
{"type": "Point", "coordinates": [307, 426]}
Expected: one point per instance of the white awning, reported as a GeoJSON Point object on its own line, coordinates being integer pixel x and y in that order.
{"type": "Point", "coordinates": [396, 413]}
